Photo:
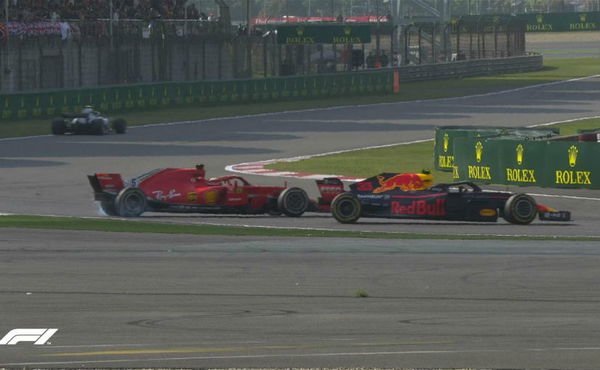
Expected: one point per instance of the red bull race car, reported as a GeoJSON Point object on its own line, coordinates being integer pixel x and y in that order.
{"type": "Point", "coordinates": [187, 190]}
{"type": "Point", "coordinates": [412, 196]}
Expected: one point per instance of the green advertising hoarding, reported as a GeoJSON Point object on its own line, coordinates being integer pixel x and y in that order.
{"type": "Point", "coordinates": [112, 99]}
{"type": "Point", "coordinates": [303, 34]}
{"type": "Point", "coordinates": [445, 136]}
{"type": "Point", "coordinates": [557, 164]}
{"type": "Point", "coordinates": [562, 22]}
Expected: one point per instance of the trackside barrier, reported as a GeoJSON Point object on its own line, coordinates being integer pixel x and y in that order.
{"type": "Point", "coordinates": [116, 98]}
{"type": "Point", "coordinates": [557, 164]}
{"type": "Point", "coordinates": [445, 137]}
{"type": "Point", "coordinates": [205, 93]}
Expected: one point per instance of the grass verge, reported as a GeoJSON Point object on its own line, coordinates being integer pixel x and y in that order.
{"type": "Point", "coordinates": [115, 225]}
{"type": "Point", "coordinates": [554, 70]}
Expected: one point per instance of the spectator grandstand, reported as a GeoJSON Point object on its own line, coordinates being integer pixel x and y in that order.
{"type": "Point", "coordinates": [67, 10]}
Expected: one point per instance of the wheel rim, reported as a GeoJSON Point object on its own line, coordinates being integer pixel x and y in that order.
{"type": "Point", "coordinates": [295, 202]}
{"type": "Point", "coordinates": [524, 208]}
{"type": "Point", "coordinates": [347, 208]}
{"type": "Point", "coordinates": [132, 203]}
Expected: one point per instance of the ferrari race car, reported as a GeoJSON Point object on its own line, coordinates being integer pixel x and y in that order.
{"type": "Point", "coordinates": [89, 122]}
{"type": "Point", "coordinates": [186, 190]}
{"type": "Point", "coordinates": [410, 196]}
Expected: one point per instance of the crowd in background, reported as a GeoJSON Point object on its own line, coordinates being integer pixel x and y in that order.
{"type": "Point", "coordinates": [70, 10]}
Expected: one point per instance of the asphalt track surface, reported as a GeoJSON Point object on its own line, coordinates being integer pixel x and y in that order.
{"type": "Point", "coordinates": [125, 300]}
{"type": "Point", "coordinates": [152, 300]}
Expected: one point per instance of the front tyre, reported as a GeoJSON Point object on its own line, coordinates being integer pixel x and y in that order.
{"type": "Point", "coordinates": [119, 125]}
{"type": "Point", "coordinates": [130, 202]}
{"type": "Point", "coordinates": [293, 202]}
{"type": "Point", "coordinates": [520, 209]}
{"type": "Point", "coordinates": [346, 208]}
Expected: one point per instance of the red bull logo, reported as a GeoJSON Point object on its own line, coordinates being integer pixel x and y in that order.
{"type": "Point", "coordinates": [404, 181]}
{"type": "Point", "coordinates": [420, 208]}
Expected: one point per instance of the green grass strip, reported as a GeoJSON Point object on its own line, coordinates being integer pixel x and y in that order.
{"type": "Point", "coordinates": [116, 225]}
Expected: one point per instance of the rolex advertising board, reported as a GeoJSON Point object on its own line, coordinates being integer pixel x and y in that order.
{"type": "Point", "coordinates": [475, 159]}
{"type": "Point", "coordinates": [445, 136]}
{"type": "Point", "coordinates": [558, 164]}
{"type": "Point", "coordinates": [573, 164]}
{"type": "Point", "coordinates": [308, 34]}
{"type": "Point", "coordinates": [562, 22]}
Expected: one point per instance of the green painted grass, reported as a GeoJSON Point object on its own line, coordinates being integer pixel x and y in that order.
{"type": "Point", "coordinates": [117, 225]}
{"type": "Point", "coordinates": [554, 70]}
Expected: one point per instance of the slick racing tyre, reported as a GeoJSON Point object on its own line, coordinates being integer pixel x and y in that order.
{"type": "Point", "coordinates": [59, 127]}
{"type": "Point", "coordinates": [119, 125]}
{"type": "Point", "coordinates": [109, 208]}
{"type": "Point", "coordinates": [520, 209]}
{"type": "Point", "coordinates": [346, 208]}
{"type": "Point", "coordinates": [293, 202]}
{"type": "Point", "coordinates": [131, 202]}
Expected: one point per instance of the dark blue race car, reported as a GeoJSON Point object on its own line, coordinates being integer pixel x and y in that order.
{"type": "Point", "coordinates": [406, 196]}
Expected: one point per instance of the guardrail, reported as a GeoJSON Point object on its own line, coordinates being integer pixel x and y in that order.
{"type": "Point", "coordinates": [110, 99]}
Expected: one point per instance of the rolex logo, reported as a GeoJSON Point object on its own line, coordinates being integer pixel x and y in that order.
{"type": "Point", "coordinates": [347, 31]}
{"type": "Point", "coordinates": [583, 17]}
{"type": "Point", "coordinates": [478, 151]}
{"type": "Point", "coordinates": [520, 151]}
{"type": "Point", "coordinates": [539, 18]}
{"type": "Point", "coordinates": [573, 151]}
{"type": "Point", "coordinates": [300, 31]}
{"type": "Point", "coordinates": [446, 142]}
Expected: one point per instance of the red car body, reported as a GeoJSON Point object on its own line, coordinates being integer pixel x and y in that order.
{"type": "Point", "coordinates": [187, 190]}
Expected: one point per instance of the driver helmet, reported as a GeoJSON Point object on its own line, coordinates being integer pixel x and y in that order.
{"type": "Point", "coordinates": [87, 109]}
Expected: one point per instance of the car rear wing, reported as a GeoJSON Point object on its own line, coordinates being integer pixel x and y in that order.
{"type": "Point", "coordinates": [106, 182]}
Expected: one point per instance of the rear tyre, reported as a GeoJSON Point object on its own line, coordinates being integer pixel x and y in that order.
{"type": "Point", "coordinates": [293, 202]}
{"type": "Point", "coordinates": [346, 208]}
{"type": "Point", "coordinates": [520, 209]}
{"type": "Point", "coordinates": [119, 125]}
{"type": "Point", "coordinates": [130, 202]}
{"type": "Point", "coordinates": [109, 208]}
{"type": "Point", "coordinates": [59, 127]}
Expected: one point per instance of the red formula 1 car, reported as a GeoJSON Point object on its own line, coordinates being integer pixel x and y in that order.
{"type": "Point", "coordinates": [186, 190]}
{"type": "Point", "coordinates": [411, 196]}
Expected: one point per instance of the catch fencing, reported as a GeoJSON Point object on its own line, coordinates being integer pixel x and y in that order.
{"type": "Point", "coordinates": [47, 55]}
